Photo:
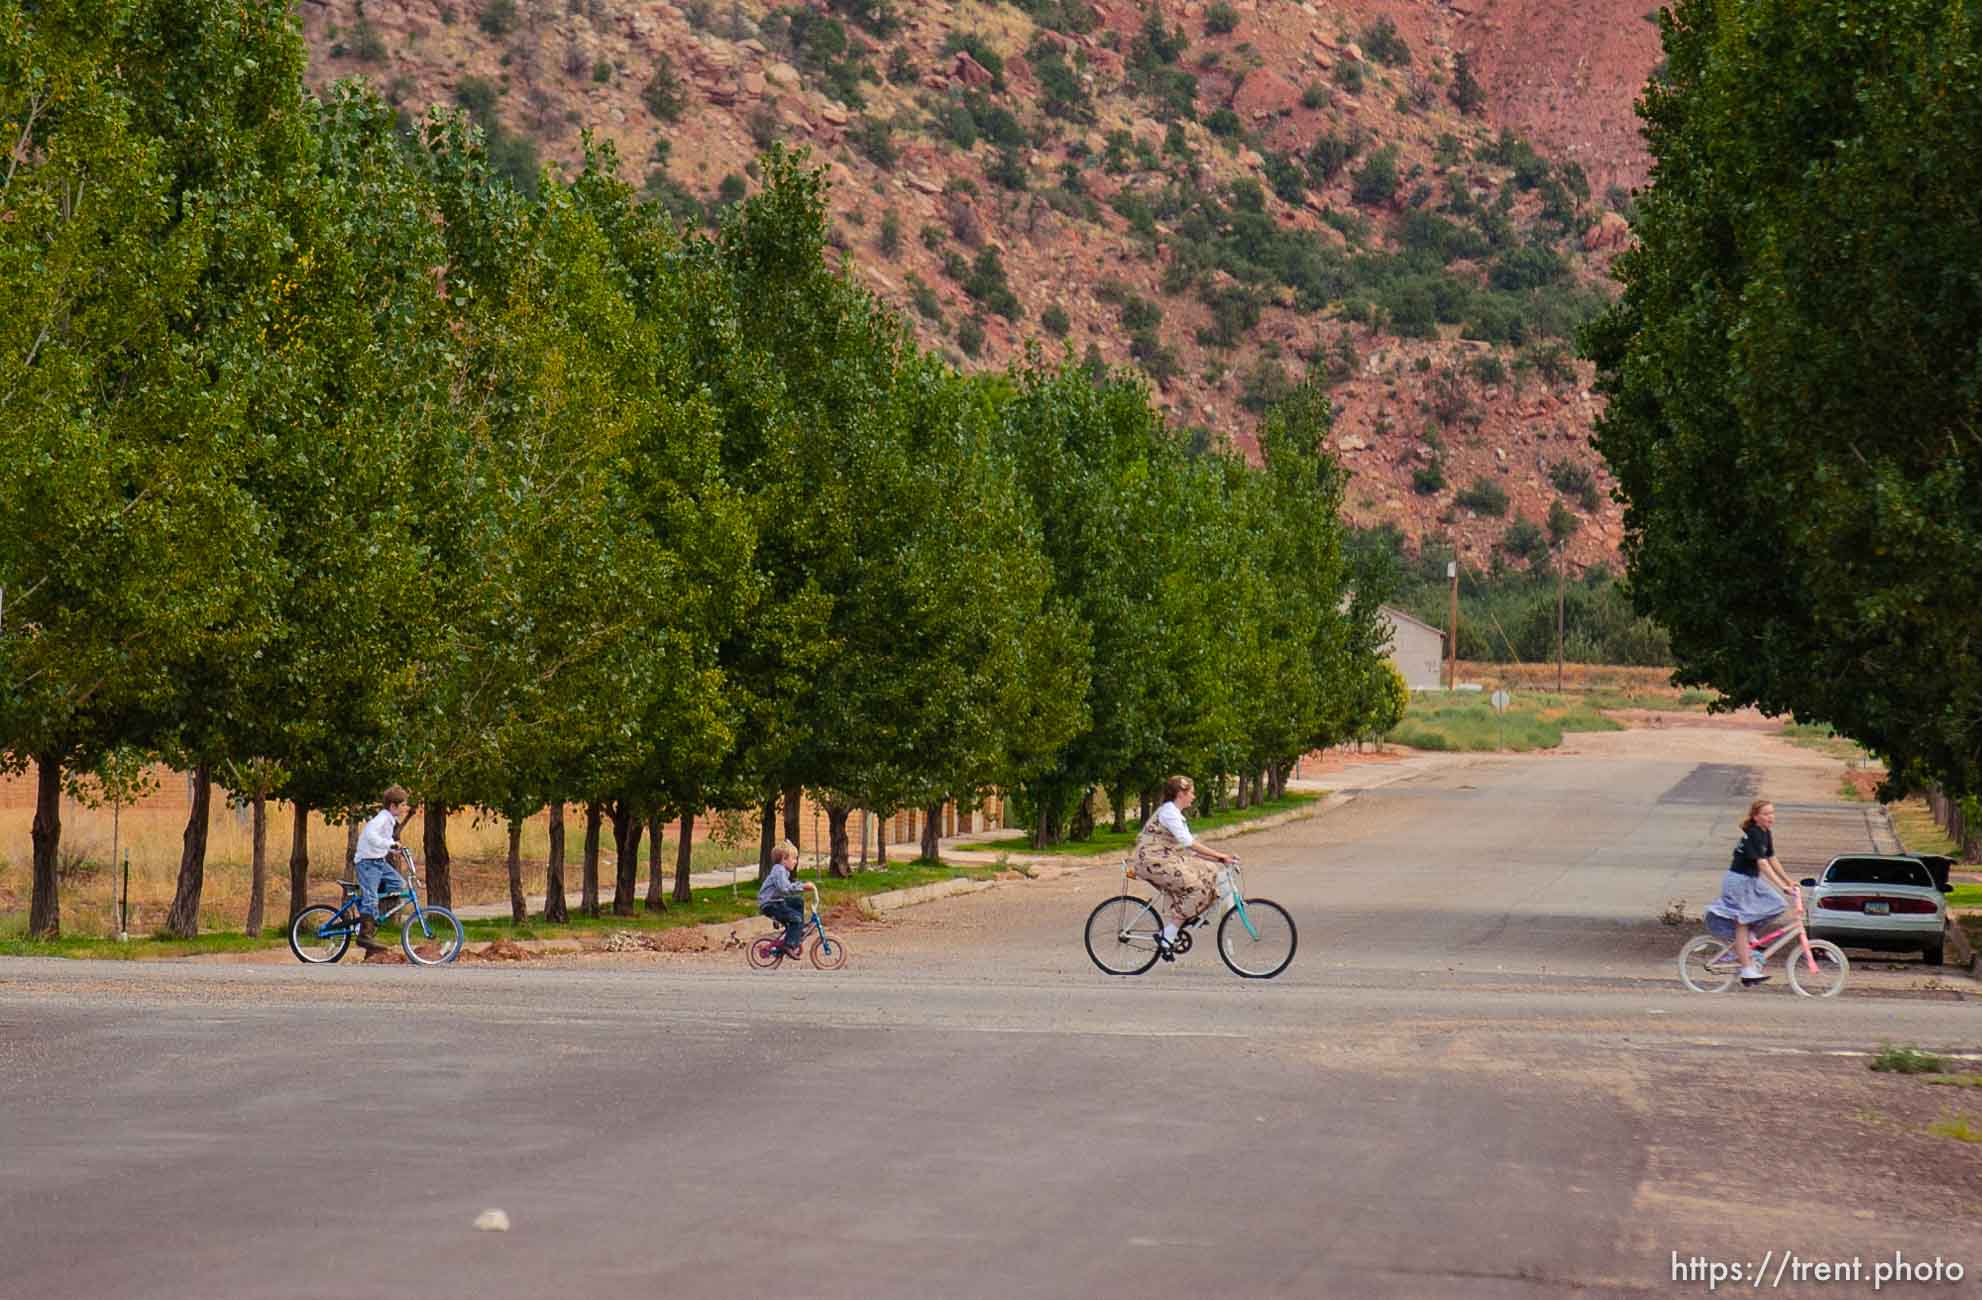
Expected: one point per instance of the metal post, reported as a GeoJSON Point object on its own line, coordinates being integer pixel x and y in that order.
{"type": "Point", "coordinates": [1559, 580]}
{"type": "Point", "coordinates": [1452, 628]}
{"type": "Point", "coordinates": [124, 916]}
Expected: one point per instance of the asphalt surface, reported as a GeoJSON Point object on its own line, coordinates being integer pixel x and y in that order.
{"type": "Point", "coordinates": [1478, 1078]}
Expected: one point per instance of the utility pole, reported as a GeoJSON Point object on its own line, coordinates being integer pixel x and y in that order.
{"type": "Point", "coordinates": [1559, 580]}
{"type": "Point", "coordinates": [1452, 628]}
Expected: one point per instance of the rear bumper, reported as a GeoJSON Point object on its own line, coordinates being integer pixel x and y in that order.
{"type": "Point", "coordinates": [1908, 937]}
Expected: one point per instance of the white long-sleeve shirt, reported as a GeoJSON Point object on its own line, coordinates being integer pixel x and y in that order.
{"type": "Point", "coordinates": [376, 837]}
{"type": "Point", "coordinates": [1171, 819]}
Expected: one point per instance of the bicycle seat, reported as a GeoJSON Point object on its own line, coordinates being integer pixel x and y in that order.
{"type": "Point", "coordinates": [349, 884]}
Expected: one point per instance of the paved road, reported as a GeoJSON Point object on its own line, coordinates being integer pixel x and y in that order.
{"type": "Point", "coordinates": [1478, 1079]}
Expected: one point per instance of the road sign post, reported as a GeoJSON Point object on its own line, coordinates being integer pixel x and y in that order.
{"type": "Point", "coordinates": [1499, 699]}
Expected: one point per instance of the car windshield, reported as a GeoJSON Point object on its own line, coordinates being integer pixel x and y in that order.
{"type": "Point", "coordinates": [1876, 871]}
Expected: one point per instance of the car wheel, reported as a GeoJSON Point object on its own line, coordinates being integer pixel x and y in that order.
{"type": "Point", "coordinates": [1931, 956]}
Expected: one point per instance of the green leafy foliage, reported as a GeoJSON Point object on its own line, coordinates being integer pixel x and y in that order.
{"type": "Point", "coordinates": [1483, 496]}
{"type": "Point", "coordinates": [1808, 253]}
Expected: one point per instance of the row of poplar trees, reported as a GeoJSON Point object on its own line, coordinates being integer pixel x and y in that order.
{"type": "Point", "coordinates": [331, 460]}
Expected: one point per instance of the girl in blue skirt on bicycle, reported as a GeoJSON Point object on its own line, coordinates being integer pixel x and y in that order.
{"type": "Point", "coordinates": [1748, 892]}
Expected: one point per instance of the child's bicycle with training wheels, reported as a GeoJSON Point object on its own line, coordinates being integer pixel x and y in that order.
{"type": "Point", "coordinates": [1817, 968]}
{"type": "Point", "coordinates": [768, 952]}
{"type": "Point", "coordinates": [429, 936]}
{"type": "Point", "coordinates": [1255, 936]}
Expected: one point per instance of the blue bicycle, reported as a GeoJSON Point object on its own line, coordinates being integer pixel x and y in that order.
{"type": "Point", "coordinates": [768, 951]}
{"type": "Point", "coordinates": [429, 936]}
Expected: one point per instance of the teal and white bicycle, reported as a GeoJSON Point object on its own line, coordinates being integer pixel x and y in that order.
{"type": "Point", "coordinates": [1256, 937]}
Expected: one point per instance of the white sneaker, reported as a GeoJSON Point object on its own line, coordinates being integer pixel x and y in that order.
{"type": "Point", "coordinates": [1752, 973]}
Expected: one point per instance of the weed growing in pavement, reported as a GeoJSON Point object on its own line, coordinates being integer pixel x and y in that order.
{"type": "Point", "coordinates": [1958, 1127]}
{"type": "Point", "coordinates": [1908, 1060]}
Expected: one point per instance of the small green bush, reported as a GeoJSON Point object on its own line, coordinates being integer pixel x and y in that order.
{"type": "Point", "coordinates": [1484, 497]}
{"type": "Point", "coordinates": [970, 336]}
{"type": "Point", "coordinates": [1375, 182]}
{"type": "Point", "coordinates": [1220, 19]}
{"type": "Point", "coordinates": [498, 17]}
{"type": "Point", "coordinates": [1427, 479]}
{"type": "Point", "coordinates": [1524, 540]}
{"type": "Point", "coordinates": [1349, 76]}
{"type": "Point", "coordinates": [1314, 95]}
{"type": "Point", "coordinates": [927, 304]}
{"type": "Point", "coordinates": [602, 71]}
{"type": "Point", "coordinates": [1225, 124]}
{"type": "Point", "coordinates": [663, 94]}
{"type": "Point", "coordinates": [1465, 92]}
{"type": "Point", "coordinates": [1054, 321]}
{"type": "Point", "coordinates": [1381, 42]}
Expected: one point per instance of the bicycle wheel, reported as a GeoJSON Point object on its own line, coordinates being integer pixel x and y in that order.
{"type": "Point", "coordinates": [1259, 950]}
{"type": "Point", "coordinates": [1707, 964]}
{"type": "Point", "coordinates": [435, 944]}
{"type": "Point", "coordinates": [308, 942]}
{"type": "Point", "coordinates": [1827, 979]}
{"type": "Point", "coordinates": [828, 953]}
{"type": "Point", "coordinates": [1121, 935]}
{"type": "Point", "coordinates": [765, 952]}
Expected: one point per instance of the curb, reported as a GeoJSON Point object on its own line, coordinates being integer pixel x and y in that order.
{"type": "Point", "coordinates": [894, 899]}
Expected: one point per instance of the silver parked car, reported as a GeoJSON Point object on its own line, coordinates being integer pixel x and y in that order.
{"type": "Point", "coordinates": [1890, 902]}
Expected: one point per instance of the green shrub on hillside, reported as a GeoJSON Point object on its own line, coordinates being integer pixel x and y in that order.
{"type": "Point", "coordinates": [1381, 42]}
{"type": "Point", "coordinates": [1484, 497]}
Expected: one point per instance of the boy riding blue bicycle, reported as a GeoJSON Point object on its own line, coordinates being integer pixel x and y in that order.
{"type": "Point", "coordinates": [378, 845]}
{"type": "Point", "coordinates": [780, 898]}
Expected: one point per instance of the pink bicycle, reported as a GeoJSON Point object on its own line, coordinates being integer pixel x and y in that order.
{"type": "Point", "coordinates": [1816, 967]}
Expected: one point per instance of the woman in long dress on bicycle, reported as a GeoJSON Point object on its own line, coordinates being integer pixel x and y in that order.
{"type": "Point", "coordinates": [1748, 891]}
{"type": "Point", "coordinates": [1163, 857]}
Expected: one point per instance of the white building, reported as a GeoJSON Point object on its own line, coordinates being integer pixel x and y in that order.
{"type": "Point", "coordinates": [1417, 648]}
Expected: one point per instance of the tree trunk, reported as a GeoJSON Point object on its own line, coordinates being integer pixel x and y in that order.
{"type": "Point", "coordinates": [350, 865]}
{"type": "Point", "coordinates": [588, 885]}
{"type": "Point", "coordinates": [519, 912]}
{"type": "Point", "coordinates": [684, 855]}
{"type": "Point", "coordinates": [657, 899]}
{"type": "Point", "coordinates": [45, 909]}
{"type": "Point", "coordinates": [440, 882]}
{"type": "Point", "coordinates": [864, 819]}
{"type": "Point", "coordinates": [299, 858]}
{"type": "Point", "coordinates": [1146, 801]}
{"type": "Point", "coordinates": [794, 800]}
{"type": "Point", "coordinates": [767, 838]}
{"type": "Point", "coordinates": [626, 828]}
{"type": "Point", "coordinates": [258, 866]}
{"type": "Point", "coordinates": [1118, 798]}
{"type": "Point", "coordinates": [837, 862]}
{"type": "Point", "coordinates": [881, 821]}
{"type": "Point", "coordinates": [554, 909]}
{"type": "Point", "coordinates": [1083, 827]}
{"type": "Point", "coordinates": [1039, 827]}
{"type": "Point", "coordinates": [932, 833]}
{"type": "Point", "coordinates": [183, 921]}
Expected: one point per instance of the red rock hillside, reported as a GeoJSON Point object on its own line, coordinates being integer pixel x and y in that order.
{"type": "Point", "coordinates": [1226, 195]}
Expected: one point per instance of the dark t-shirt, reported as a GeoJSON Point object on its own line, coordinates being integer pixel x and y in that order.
{"type": "Point", "coordinates": [1755, 845]}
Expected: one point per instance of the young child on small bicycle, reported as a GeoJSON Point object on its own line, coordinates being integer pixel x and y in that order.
{"type": "Point", "coordinates": [780, 898]}
{"type": "Point", "coordinates": [378, 845]}
{"type": "Point", "coordinates": [1187, 888]}
{"type": "Point", "coordinates": [1749, 897]}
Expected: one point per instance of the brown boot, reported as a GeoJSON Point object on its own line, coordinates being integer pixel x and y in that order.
{"type": "Point", "coordinates": [368, 928]}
